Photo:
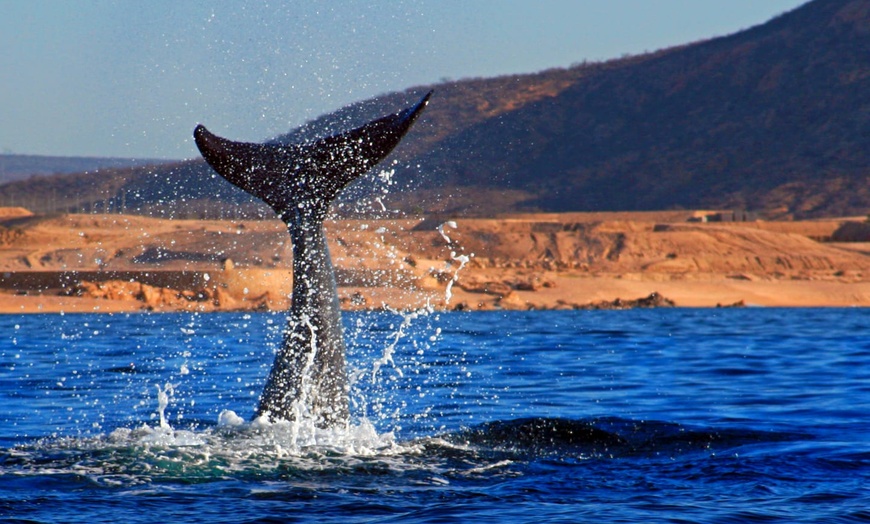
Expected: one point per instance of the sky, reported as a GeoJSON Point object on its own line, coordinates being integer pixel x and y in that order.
{"type": "Point", "coordinates": [125, 78]}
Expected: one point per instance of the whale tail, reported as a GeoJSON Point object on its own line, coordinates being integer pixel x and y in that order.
{"type": "Point", "coordinates": [305, 178]}
{"type": "Point", "coordinates": [299, 182]}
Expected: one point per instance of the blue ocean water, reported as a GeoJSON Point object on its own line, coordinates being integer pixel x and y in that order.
{"type": "Point", "coordinates": [667, 415]}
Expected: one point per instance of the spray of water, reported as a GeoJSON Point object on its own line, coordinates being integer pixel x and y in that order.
{"type": "Point", "coordinates": [414, 330]}
{"type": "Point", "coordinates": [407, 319]}
{"type": "Point", "coordinates": [232, 434]}
{"type": "Point", "coordinates": [164, 395]}
{"type": "Point", "coordinates": [461, 259]}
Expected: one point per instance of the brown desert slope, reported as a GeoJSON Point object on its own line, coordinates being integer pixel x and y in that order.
{"type": "Point", "coordinates": [775, 118]}
{"type": "Point", "coordinates": [544, 261]}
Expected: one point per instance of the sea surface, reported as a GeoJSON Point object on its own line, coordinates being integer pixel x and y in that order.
{"type": "Point", "coordinates": [666, 415]}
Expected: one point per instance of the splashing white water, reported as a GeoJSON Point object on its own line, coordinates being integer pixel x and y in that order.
{"type": "Point", "coordinates": [234, 441]}
{"type": "Point", "coordinates": [449, 223]}
{"type": "Point", "coordinates": [462, 259]}
{"type": "Point", "coordinates": [303, 418]}
{"type": "Point", "coordinates": [380, 202]}
{"type": "Point", "coordinates": [164, 396]}
{"type": "Point", "coordinates": [399, 334]}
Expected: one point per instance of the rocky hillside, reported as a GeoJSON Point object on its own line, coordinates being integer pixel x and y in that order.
{"type": "Point", "coordinates": [776, 117]}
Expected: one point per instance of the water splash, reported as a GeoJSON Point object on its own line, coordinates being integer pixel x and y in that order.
{"type": "Point", "coordinates": [302, 401]}
{"type": "Point", "coordinates": [448, 291]}
{"type": "Point", "coordinates": [449, 223]}
{"type": "Point", "coordinates": [462, 259]}
{"type": "Point", "coordinates": [232, 443]}
{"type": "Point", "coordinates": [407, 319]}
{"type": "Point", "coordinates": [164, 395]}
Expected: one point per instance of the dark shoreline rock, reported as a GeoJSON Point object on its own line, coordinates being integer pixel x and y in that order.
{"type": "Point", "coordinates": [654, 299]}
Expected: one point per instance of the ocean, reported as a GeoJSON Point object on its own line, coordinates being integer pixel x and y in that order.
{"type": "Point", "coordinates": [663, 415]}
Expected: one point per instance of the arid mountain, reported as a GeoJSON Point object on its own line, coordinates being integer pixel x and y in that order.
{"type": "Point", "coordinates": [775, 118]}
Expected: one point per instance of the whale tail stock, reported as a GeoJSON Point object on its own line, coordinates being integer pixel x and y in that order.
{"type": "Point", "coordinates": [299, 182]}
{"type": "Point", "coordinates": [306, 177]}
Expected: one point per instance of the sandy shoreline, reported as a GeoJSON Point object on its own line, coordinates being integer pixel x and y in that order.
{"type": "Point", "coordinates": [118, 263]}
{"type": "Point", "coordinates": [567, 293]}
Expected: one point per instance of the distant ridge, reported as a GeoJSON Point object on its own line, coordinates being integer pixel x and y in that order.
{"type": "Point", "coordinates": [775, 119]}
{"type": "Point", "coordinates": [19, 167]}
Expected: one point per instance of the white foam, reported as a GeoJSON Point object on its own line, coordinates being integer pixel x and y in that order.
{"type": "Point", "coordinates": [228, 417]}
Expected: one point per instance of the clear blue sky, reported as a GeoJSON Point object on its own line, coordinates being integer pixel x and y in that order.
{"type": "Point", "coordinates": [132, 78]}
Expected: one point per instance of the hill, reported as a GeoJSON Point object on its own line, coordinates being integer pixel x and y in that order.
{"type": "Point", "coordinates": [775, 118]}
{"type": "Point", "coordinates": [19, 167]}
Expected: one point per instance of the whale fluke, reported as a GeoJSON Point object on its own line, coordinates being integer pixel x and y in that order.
{"type": "Point", "coordinates": [285, 176]}
{"type": "Point", "coordinates": [299, 182]}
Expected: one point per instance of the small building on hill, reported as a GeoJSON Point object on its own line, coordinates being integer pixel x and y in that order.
{"type": "Point", "coordinates": [738, 215]}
